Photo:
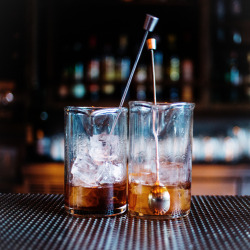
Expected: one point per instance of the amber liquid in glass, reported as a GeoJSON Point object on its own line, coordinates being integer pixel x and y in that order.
{"type": "Point", "coordinates": [180, 199]}
{"type": "Point", "coordinates": [103, 200]}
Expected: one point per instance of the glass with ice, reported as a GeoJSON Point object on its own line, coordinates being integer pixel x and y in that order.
{"type": "Point", "coordinates": [95, 161]}
{"type": "Point", "coordinates": [170, 153]}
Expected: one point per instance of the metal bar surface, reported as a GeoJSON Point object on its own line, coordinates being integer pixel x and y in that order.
{"type": "Point", "coordinates": [39, 221]}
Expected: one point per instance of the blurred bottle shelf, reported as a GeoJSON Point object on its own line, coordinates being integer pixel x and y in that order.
{"type": "Point", "coordinates": [64, 53]}
{"type": "Point", "coordinates": [202, 54]}
{"type": "Point", "coordinates": [207, 63]}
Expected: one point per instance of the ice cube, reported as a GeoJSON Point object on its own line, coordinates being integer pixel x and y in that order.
{"type": "Point", "coordinates": [88, 173]}
{"type": "Point", "coordinates": [98, 161]}
{"type": "Point", "coordinates": [144, 177]}
{"type": "Point", "coordinates": [111, 172]}
{"type": "Point", "coordinates": [104, 147]}
{"type": "Point", "coordinates": [172, 173]}
{"type": "Point", "coordinates": [84, 171]}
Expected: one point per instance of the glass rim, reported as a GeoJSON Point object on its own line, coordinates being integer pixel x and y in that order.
{"type": "Point", "coordinates": [93, 108]}
{"type": "Point", "coordinates": [162, 104]}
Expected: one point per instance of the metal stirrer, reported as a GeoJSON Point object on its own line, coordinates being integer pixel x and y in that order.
{"type": "Point", "coordinates": [158, 198]}
{"type": "Point", "coordinates": [149, 25]}
{"type": "Point", "coordinates": [151, 43]}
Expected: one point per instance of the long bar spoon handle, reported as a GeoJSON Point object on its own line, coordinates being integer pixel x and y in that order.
{"type": "Point", "coordinates": [149, 25]}
{"type": "Point", "coordinates": [151, 43]}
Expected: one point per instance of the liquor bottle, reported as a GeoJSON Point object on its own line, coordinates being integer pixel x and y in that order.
{"type": "Point", "coordinates": [236, 7]}
{"type": "Point", "coordinates": [158, 59]}
{"type": "Point", "coordinates": [233, 76]}
{"type": "Point", "coordinates": [187, 68]}
{"type": "Point", "coordinates": [173, 68]}
{"type": "Point", "coordinates": [187, 80]}
{"type": "Point", "coordinates": [123, 60]}
{"type": "Point", "coordinates": [93, 64]}
{"type": "Point", "coordinates": [234, 73]}
{"type": "Point", "coordinates": [63, 89]}
{"type": "Point", "coordinates": [123, 63]}
{"type": "Point", "coordinates": [108, 70]}
{"type": "Point", "coordinates": [93, 69]}
{"type": "Point", "coordinates": [247, 78]}
{"type": "Point", "coordinates": [140, 78]}
{"type": "Point", "coordinates": [220, 9]}
{"type": "Point", "coordinates": [78, 88]}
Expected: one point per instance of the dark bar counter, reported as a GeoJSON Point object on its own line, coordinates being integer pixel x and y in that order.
{"type": "Point", "coordinates": [39, 221]}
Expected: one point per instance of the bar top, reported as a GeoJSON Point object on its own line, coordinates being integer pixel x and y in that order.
{"type": "Point", "coordinates": [39, 221]}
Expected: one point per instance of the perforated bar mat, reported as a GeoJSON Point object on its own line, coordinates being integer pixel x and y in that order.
{"type": "Point", "coordinates": [38, 221]}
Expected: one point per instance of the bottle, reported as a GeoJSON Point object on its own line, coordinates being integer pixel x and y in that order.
{"type": "Point", "coordinates": [187, 78]}
{"type": "Point", "coordinates": [187, 68]}
{"type": "Point", "coordinates": [93, 69]}
{"type": "Point", "coordinates": [174, 71]}
{"type": "Point", "coordinates": [78, 87]}
{"type": "Point", "coordinates": [236, 7]}
{"type": "Point", "coordinates": [173, 68]}
{"type": "Point", "coordinates": [220, 9]}
{"type": "Point", "coordinates": [233, 77]}
{"type": "Point", "coordinates": [123, 61]}
{"type": "Point", "coordinates": [63, 89]}
{"type": "Point", "coordinates": [123, 64]}
{"type": "Point", "coordinates": [247, 78]}
{"type": "Point", "coordinates": [174, 60]}
{"type": "Point", "coordinates": [108, 70]}
{"type": "Point", "coordinates": [93, 64]}
{"type": "Point", "coordinates": [140, 79]}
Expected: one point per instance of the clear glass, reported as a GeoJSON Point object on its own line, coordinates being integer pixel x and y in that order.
{"type": "Point", "coordinates": [173, 125]}
{"type": "Point", "coordinates": [95, 161]}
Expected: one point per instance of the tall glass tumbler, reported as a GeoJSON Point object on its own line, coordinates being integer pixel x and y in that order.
{"type": "Point", "coordinates": [160, 135]}
{"type": "Point", "coordinates": [95, 161]}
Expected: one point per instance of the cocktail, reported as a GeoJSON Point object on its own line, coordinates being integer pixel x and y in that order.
{"type": "Point", "coordinates": [160, 159]}
{"type": "Point", "coordinates": [95, 161]}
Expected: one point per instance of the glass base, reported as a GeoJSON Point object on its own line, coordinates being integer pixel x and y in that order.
{"type": "Point", "coordinates": [95, 214]}
{"type": "Point", "coordinates": [181, 214]}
